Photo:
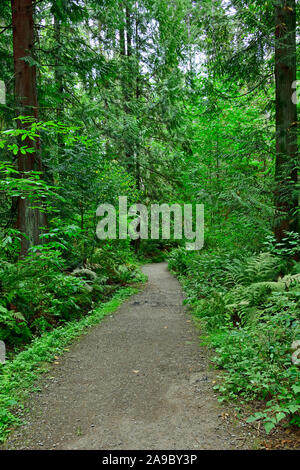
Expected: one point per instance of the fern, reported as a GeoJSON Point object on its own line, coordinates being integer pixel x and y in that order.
{"type": "Point", "coordinates": [235, 274]}
{"type": "Point", "coordinates": [263, 267]}
{"type": "Point", "coordinates": [7, 315]}
{"type": "Point", "coordinates": [258, 268]}
{"type": "Point", "coordinates": [291, 280]}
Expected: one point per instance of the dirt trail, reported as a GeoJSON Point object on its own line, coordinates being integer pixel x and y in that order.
{"type": "Point", "coordinates": [139, 380]}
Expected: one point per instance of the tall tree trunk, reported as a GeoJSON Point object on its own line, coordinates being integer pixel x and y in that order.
{"type": "Point", "coordinates": [28, 220]}
{"type": "Point", "coordinates": [286, 173]}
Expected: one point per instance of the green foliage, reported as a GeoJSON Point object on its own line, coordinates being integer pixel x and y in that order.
{"type": "Point", "coordinates": [38, 293]}
{"type": "Point", "coordinates": [159, 101]}
{"type": "Point", "coordinates": [49, 286]}
{"type": "Point", "coordinates": [250, 316]}
{"type": "Point", "coordinates": [256, 269]}
{"type": "Point", "coordinates": [17, 377]}
{"type": "Point", "coordinates": [115, 258]}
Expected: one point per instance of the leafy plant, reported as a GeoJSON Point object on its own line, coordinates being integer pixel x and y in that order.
{"type": "Point", "coordinates": [251, 316]}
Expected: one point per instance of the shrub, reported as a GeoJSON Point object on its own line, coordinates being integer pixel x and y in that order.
{"type": "Point", "coordinates": [249, 311]}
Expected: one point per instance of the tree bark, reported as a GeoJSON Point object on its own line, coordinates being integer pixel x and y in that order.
{"type": "Point", "coordinates": [28, 220]}
{"type": "Point", "coordinates": [287, 158]}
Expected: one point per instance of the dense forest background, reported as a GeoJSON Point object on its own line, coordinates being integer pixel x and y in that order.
{"type": "Point", "coordinates": [161, 101]}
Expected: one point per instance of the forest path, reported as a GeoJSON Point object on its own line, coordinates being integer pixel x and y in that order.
{"type": "Point", "coordinates": [139, 380]}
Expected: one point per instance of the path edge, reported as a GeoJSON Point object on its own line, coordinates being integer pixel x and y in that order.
{"type": "Point", "coordinates": [18, 377]}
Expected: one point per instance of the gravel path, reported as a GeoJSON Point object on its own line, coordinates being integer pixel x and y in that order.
{"type": "Point", "coordinates": [139, 380]}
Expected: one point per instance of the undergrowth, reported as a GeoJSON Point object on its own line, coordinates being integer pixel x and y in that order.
{"type": "Point", "coordinates": [248, 308]}
{"type": "Point", "coordinates": [18, 377]}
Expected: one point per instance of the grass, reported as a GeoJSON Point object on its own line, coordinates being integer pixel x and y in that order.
{"type": "Point", "coordinates": [18, 377]}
